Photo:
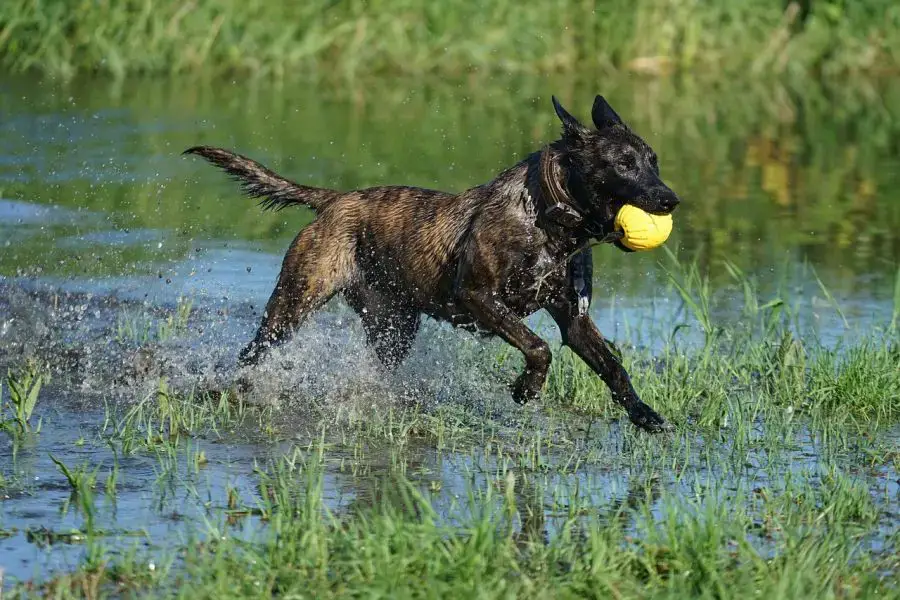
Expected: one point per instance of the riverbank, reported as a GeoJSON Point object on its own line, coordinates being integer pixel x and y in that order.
{"type": "Point", "coordinates": [356, 39]}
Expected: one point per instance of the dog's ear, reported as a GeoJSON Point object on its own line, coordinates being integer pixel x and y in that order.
{"type": "Point", "coordinates": [603, 114]}
{"type": "Point", "coordinates": [571, 125]}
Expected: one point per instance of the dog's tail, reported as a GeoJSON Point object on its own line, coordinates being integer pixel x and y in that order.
{"type": "Point", "coordinates": [257, 181]}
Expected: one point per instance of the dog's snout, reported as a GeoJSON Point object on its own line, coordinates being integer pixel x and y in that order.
{"type": "Point", "coordinates": [669, 202]}
{"type": "Point", "coordinates": [663, 200]}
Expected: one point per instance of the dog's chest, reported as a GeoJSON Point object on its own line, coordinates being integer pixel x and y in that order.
{"type": "Point", "coordinates": [539, 277]}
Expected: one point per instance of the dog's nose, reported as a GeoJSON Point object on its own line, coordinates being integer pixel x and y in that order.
{"type": "Point", "coordinates": [669, 202]}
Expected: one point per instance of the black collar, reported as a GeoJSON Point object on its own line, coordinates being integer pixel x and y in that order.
{"type": "Point", "coordinates": [558, 203]}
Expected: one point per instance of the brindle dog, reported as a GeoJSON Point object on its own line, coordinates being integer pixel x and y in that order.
{"type": "Point", "coordinates": [483, 259]}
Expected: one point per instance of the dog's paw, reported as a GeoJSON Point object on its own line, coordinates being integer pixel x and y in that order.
{"type": "Point", "coordinates": [522, 392]}
{"type": "Point", "coordinates": [243, 385]}
{"type": "Point", "coordinates": [249, 356]}
{"type": "Point", "coordinates": [649, 420]}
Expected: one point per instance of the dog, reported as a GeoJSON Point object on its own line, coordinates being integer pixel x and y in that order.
{"type": "Point", "coordinates": [482, 260]}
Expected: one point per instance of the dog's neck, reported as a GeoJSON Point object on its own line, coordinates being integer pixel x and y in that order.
{"type": "Point", "coordinates": [556, 206]}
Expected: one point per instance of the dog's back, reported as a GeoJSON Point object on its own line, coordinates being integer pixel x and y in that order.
{"type": "Point", "coordinates": [400, 241]}
{"type": "Point", "coordinates": [405, 239]}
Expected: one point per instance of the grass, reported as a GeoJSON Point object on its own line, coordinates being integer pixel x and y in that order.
{"type": "Point", "coordinates": [802, 542]}
{"type": "Point", "coordinates": [163, 417]}
{"type": "Point", "coordinates": [761, 358]}
{"type": "Point", "coordinates": [138, 327]}
{"type": "Point", "coordinates": [81, 479]}
{"type": "Point", "coordinates": [22, 388]}
{"type": "Point", "coordinates": [776, 483]}
{"type": "Point", "coordinates": [858, 387]}
{"type": "Point", "coordinates": [352, 39]}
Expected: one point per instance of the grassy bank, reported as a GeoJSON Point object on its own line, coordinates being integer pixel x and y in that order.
{"type": "Point", "coordinates": [356, 38]}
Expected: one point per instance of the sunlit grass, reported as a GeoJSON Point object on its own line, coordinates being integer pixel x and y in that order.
{"type": "Point", "coordinates": [410, 36]}
{"type": "Point", "coordinates": [760, 358]}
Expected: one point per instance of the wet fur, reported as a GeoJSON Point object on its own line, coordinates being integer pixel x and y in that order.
{"type": "Point", "coordinates": [483, 259]}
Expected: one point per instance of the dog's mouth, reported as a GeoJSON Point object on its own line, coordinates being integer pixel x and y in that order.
{"type": "Point", "coordinates": [604, 229]}
{"type": "Point", "coordinates": [649, 206]}
{"type": "Point", "coordinates": [662, 212]}
{"type": "Point", "coordinates": [660, 201]}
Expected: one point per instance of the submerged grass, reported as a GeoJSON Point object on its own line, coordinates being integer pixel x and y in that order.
{"type": "Point", "coordinates": [411, 36]}
{"type": "Point", "coordinates": [80, 478]}
{"type": "Point", "coordinates": [164, 417]}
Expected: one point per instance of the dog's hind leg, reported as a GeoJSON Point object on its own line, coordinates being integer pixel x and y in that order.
{"type": "Point", "coordinates": [390, 327]}
{"type": "Point", "coordinates": [314, 269]}
{"type": "Point", "coordinates": [495, 316]}
{"type": "Point", "coordinates": [392, 338]}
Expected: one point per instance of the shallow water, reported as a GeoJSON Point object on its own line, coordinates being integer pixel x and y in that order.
{"type": "Point", "coordinates": [104, 228]}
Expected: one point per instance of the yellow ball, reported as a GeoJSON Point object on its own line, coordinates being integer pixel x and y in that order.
{"type": "Point", "coordinates": [643, 231]}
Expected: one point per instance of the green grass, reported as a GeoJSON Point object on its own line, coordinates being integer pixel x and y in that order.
{"type": "Point", "coordinates": [163, 417]}
{"type": "Point", "coordinates": [138, 327]}
{"type": "Point", "coordinates": [802, 542]}
{"type": "Point", "coordinates": [355, 38]}
{"type": "Point", "coordinates": [858, 386]}
{"type": "Point", "coordinates": [80, 478]}
{"type": "Point", "coordinates": [22, 389]}
{"type": "Point", "coordinates": [757, 367]}
{"type": "Point", "coordinates": [777, 482]}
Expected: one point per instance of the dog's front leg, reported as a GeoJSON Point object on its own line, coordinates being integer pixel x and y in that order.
{"type": "Point", "coordinates": [495, 316]}
{"type": "Point", "coordinates": [581, 335]}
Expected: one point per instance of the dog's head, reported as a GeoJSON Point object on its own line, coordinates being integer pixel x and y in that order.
{"type": "Point", "coordinates": [608, 167]}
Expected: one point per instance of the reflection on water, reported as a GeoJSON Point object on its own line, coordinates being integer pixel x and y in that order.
{"type": "Point", "coordinates": [789, 185]}
{"type": "Point", "coordinates": [768, 174]}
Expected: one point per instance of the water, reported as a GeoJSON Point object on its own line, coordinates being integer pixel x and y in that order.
{"type": "Point", "coordinates": [105, 228]}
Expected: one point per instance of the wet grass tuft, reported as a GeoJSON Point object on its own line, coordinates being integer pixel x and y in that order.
{"type": "Point", "coordinates": [22, 389]}
{"type": "Point", "coordinates": [164, 417]}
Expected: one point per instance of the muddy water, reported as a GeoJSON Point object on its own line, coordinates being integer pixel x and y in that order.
{"type": "Point", "coordinates": [104, 228]}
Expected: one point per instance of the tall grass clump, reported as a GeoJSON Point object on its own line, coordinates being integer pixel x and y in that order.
{"type": "Point", "coordinates": [862, 382]}
{"type": "Point", "coordinates": [415, 36]}
{"type": "Point", "coordinates": [760, 365]}
{"type": "Point", "coordinates": [22, 389]}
